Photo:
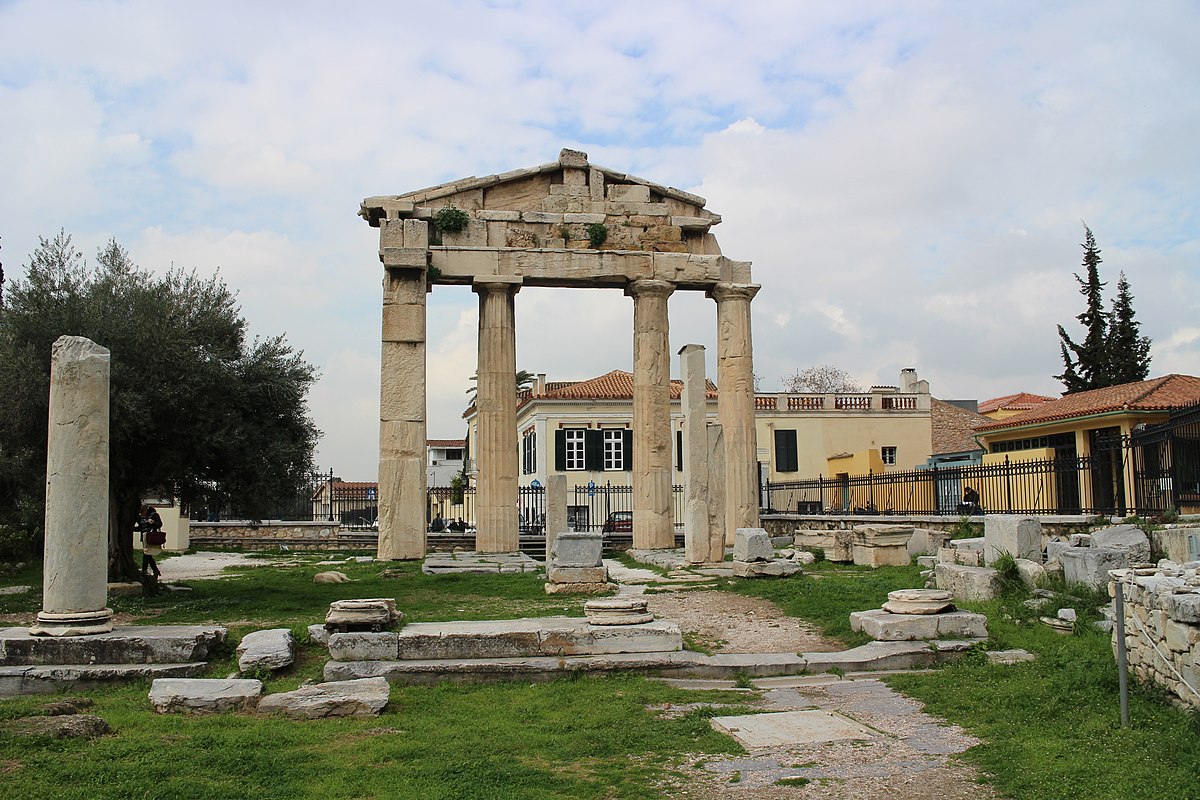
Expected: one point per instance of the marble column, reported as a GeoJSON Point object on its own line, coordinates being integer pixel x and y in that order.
{"type": "Point", "coordinates": [653, 525]}
{"type": "Point", "coordinates": [497, 524]}
{"type": "Point", "coordinates": [556, 509]}
{"type": "Point", "coordinates": [75, 564]}
{"type": "Point", "coordinates": [735, 404]}
{"type": "Point", "coordinates": [402, 454]}
{"type": "Point", "coordinates": [697, 544]}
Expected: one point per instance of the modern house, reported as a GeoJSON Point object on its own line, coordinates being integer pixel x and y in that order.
{"type": "Point", "coordinates": [1089, 426]}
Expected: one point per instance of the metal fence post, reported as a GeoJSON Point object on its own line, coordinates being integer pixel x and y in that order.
{"type": "Point", "coordinates": [1122, 660]}
{"type": "Point", "coordinates": [1008, 482]}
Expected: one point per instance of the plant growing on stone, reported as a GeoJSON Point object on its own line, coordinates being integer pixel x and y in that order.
{"type": "Point", "coordinates": [597, 235]}
{"type": "Point", "coordinates": [449, 219]}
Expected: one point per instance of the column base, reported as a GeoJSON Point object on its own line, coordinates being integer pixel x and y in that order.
{"type": "Point", "coordinates": [72, 623]}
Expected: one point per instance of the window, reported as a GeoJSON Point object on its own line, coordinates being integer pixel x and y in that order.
{"type": "Point", "coordinates": [592, 450]}
{"type": "Point", "coordinates": [529, 453]}
{"type": "Point", "coordinates": [614, 450]}
{"type": "Point", "coordinates": [889, 456]}
{"type": "Point", "coordinates": [574, 448]}
{"type": "Point", "coordinates": [454, 454]}
{"type": "Point", "coordinates": [786, 458]}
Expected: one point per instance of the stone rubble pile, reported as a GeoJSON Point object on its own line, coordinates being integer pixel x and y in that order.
{"type": "Point", "coordinates": [919, 614]}
{"type": "Point", "coordinates": [754, 557]}
{"type": "Point", "coordinates": [1088, 558]}
{"type": "Point", "coordinates": [1162, 626]}
{"type": "Point", "coordinates": [365, 697]}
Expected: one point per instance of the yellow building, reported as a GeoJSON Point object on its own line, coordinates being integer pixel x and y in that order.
{"type": "Point", "coordinates": [1082, 427]}
{"type": "Point", "coordinates": [583, 429]}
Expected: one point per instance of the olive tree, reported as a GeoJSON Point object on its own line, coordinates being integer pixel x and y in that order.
{"type": "Point", "coordinates": [197, 408]}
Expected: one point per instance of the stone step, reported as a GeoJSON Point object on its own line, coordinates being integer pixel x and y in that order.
{"type": "Point", "coordinates": [507, 638]}
{"type": "Point", "coordinates": [48, 679]}
{"type": "Point", "coordinates": [158, 644]}
{"type": "Point", "coordinates": [874, 656]}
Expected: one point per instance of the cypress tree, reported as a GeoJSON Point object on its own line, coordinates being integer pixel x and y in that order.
{"type": "Point", "coordinates": [1128, 350]}
{"type": "Point", "coordinates": [1086, 365]}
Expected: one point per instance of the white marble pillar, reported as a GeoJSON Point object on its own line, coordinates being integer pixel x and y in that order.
{"type": "Point", "coordinates": [653, 500]}
{"type": "Point", "coordinates": [556, 509]}
{"type": "Point", "coordinates": [75, 564]}
{"type": "Point", "coordinates": [402, 454]}
{"type": "Point", "coordinates": [735, 404]}
{"type": "Point", "coordinates": [497, 527]}
{"type": "Point", "coordinates": [697, 540]}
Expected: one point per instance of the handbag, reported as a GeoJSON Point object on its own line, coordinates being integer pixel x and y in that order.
{"type": "Point", "coordinates": [156, 538]}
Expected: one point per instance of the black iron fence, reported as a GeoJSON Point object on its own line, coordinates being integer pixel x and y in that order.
{"type": "Point", "coordinates": [1153, 471]}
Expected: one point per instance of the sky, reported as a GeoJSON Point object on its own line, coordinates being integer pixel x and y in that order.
{"type": "Point", "coordinates": [911, 181]}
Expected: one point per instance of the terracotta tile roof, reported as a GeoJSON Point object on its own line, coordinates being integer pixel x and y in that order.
{"type": "Point", "coordinates": [445, 442]}
{"type": "Point", "coordinates": [614, 385]}
{"type": "Point", "coordinates": [1021, 401]}
{"type": "Point", "coordinates": [953, 428]}
{"type": "Point", "coordinates": [345, 490]}
{"type": "Point", "coordinates": [1158, 394]}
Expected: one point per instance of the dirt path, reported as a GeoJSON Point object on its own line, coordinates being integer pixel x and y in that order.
{"type": "Point", "coordinates": [725, 622]}
{"type": "Point", "coordinates": [909, 757]}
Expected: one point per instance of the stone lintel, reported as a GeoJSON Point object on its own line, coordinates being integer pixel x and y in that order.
{"type": "Point", "coordinates": [587, 268]}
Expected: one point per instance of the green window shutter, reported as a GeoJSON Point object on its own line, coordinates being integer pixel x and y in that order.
{"type": "Point", "coordinates": [627, 451]}
{"type": "Point", "coordinates": [679, 451]}
{"type": "Point", "coordinates": [786, 459]}
{"type": "Point", "coordinates": [593, 450]}
{"type": "Point", "coordinates": [560, 451]}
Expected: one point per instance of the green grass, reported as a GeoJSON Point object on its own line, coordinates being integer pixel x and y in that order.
{"type": "Point", "coordinates": [286, 596]}
{"type": "Point", "coordinates": [1051, 727]}
{"type": "Point", "coordinates": [591, 738]}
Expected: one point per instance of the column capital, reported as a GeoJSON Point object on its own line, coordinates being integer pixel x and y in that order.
{"type": "Point", "coordinates": [733, 291]}
{"type": "Point", "coordinates": [649, 286]}
{"type": "Point", "coordinates": [481, 284]}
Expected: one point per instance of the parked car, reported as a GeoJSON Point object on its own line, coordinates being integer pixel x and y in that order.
{"type": "Point", "coordinates": [619, 522]}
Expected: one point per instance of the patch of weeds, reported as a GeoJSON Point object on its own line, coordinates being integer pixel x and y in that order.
{"type": "Point", "coordinates": [699, 643]}
{"type": "Point", "coordinates": [701, 764]}
{"type": "Point", "coordinates": [817, 552]}
{"type": "Point", "coordinates": [1010, 576]}
{"type": "Point", "coordinates": [742, 681]}
{"type": "Point", "coordinates": [975, 655]}
{"type": "Point", "coordinates": [564, 233]}
{"type": "Point", "coordinates": [796, 781]}
{"type": "Point", "coordinates": [450, 219]}
{"type": "Point", "coordinates": [735, 776]}
{"type": "Point", "coordinates": [841, 673]}
{"type": "Point", "coordinates": [965, 529]}
{"type": "Point", "coordinates": [597, 235]}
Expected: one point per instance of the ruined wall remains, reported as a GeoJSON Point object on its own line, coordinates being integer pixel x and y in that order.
{"type": "Point", "coordinates": [1162, 627]}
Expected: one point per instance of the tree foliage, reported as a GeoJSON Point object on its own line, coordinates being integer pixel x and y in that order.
{"type": "Point", "coordinates": [822, 378]}
{"type": "Point", "coordinates": [198, 412]}
{"type": "Point", "coordinates": [1113, 351]}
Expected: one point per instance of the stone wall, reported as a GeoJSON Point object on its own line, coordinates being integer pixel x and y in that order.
{"type": "Point", "coordinates": [267, 535]}
{"type": "Point", "coordinates": [1162, 628]}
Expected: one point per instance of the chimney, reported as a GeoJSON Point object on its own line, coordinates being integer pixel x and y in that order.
{"type": "Point", "coordinates": [539, 385]}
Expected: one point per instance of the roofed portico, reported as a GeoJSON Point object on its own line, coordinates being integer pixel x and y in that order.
{"type": "Point", "coordinates": [566, 224]}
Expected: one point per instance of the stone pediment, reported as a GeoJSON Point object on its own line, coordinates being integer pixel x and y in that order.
{"type": "Point", "coordinates": [569, 192]}
{"type": "Point", "coordinates": [563, 223]}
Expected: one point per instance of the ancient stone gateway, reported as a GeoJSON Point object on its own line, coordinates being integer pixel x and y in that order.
{"type": "Point", "coordinates": [563, 224]}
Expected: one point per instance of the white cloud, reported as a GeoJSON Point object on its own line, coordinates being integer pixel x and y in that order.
{"type": "Point", "coordinates": [908, 180]}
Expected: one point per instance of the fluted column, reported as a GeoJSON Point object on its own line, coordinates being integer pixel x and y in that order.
{"type": "Point", "coordinates": [735, 404]}
{"type": "Point", "coordinates": [653, 526]}
{"type": "Point", "coordinates": [496, 527]}
{"type": "Point", "coordinates": [75, 566]}
{"type": "Point", "coordinates": [402, 482]}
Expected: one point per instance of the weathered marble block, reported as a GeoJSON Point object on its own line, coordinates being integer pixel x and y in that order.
{"type": "Point", "coordinates": [577, 549]}
{"type": "Point", "coordinates": [752, 544]}
{"type": "Point", "coordinates": [204, 694]}
{"type": "Point", "coordinates": [885, 626]}
{"type": "Point", "coordinates": [1020, 537]}
{"type": "Point", "coordinates": [270, 649]}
